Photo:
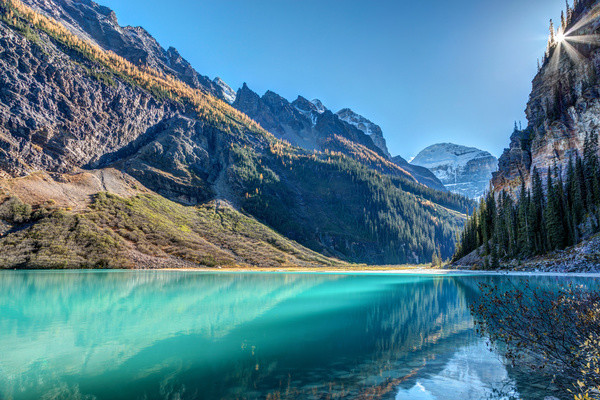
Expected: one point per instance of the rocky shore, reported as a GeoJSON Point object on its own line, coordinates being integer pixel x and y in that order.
{"type": "Point", "coordinates": [584, 257]}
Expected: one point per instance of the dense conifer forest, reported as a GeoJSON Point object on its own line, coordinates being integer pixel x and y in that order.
{"type": "Point", "coordinates": [549, 214]}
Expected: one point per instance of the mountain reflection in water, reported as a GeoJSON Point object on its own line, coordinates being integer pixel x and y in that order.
{"type": "Point", "coordinates": [192, 335]}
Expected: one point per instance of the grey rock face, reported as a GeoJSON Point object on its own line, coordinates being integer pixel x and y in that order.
{"type": "Point", "coordinates": [302, 123]}
{"type": "Point", "coordinates": [464, 170]}
{"type": "Point", "coordinates": [515, 161]}
{"type": "Point", "coordinates": [99, 25]}
{"type": "Point", "coordinates": [311, 109]}
{"type": "Point", "coordinates": [226, 90]}
{"type": "Point", "coordinates": [57, 115]}
{"type": "Point", "coordinates": [563, 107]}
{"type": "Point", "coordinates": [178, 158]}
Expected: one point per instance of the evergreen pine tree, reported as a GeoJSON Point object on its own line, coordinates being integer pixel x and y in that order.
{"type": "Point", "coordinates": [590, 161]}
{"type": "Point", "coordinates": [562, 210]}
{"type": "Point", "coordinates": [580, 177]}
{"type": "Point", "coordinates": [537, 199]}
{"type": "Point", "coordinates": [552, 221]}
{"type": "Point", "coordinates": [495, 261]}
{"type": "Point", "coordinates": [523, 231]}
{"type": "Point", "coordinates": [575, 198]}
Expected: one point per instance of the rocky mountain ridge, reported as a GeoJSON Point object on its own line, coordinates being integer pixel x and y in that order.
{"type": "Point", "coordinates": [310, 125]}
{"type": "Point", "coordinates": [99, 24]}
{"type": "Point", "coordinates": [227, 92]}
{"type": "Point", "coordinates": [462, 169]}
{"type": "Point", "coordinates": [368, 128]}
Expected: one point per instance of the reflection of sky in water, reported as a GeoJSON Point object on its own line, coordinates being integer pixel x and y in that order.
{"type": "Point", "coordinates": [473, 372]}
{"type": "Point", "coordinates": [188, 335]}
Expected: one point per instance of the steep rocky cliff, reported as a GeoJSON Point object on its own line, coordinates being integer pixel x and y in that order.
{"type": "Point", "coordinates": [368, 127]}
{"type": "Point", "coordinates": [544, 210]}
{"type": "Point", "coordinates": [564, 104]}
{"type": "Point", "coordinates": [227, 92]}
{"type": "Point", "coordinates": [99, 24]}
{"type": "Point", "coordinates": [464, 170]}
{"type": "Point", "coordinates": [56, 114]}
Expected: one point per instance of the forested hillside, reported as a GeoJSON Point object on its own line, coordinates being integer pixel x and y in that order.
{"type": "Point", "coordinates": [550, 216]}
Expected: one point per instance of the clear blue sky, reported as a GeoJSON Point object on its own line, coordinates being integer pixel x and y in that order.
{"type": "Point", "coordinates": [426, 71]}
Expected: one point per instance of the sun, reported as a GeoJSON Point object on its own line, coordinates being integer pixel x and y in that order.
{"type": "Point", "coordinates": [560, 37]}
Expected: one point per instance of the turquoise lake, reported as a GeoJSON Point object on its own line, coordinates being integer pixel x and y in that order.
{"type": "Point", "coordinates": [194, 335]}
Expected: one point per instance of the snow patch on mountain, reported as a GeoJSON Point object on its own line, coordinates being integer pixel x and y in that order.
{"type": "Point", "coordinates": [228, 93]}
{"type": "Point", "coordinates": [319, 107]}
{"type": "Point", "coordinates": [366, 126]}
{"type": "Point", "coordinates": [310, 109]}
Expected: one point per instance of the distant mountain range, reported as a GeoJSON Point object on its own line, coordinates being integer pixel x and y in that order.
{"type": "Point", "coordinates": [311, 125]}
{"type": "Point", "coordinates": [464, 170]}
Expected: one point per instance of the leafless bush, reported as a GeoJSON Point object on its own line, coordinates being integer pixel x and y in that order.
{"type": "Point", "coordinates": [556, 332]}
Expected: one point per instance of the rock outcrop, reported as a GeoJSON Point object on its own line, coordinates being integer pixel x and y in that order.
{"type": "Point", "coordinates": [563, 107]}
{"type": "Point", "coordinates": [227, 92]}
{"type": "Point", "coordinates": [57, 115]}
{"type": "Point", "coordinates": [369, 128]}
{"type": "Point", "coordinates": [464, 170]}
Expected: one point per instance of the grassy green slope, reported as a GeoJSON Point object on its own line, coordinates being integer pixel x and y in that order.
{"type": "Point", "coordinates": [116, 232]}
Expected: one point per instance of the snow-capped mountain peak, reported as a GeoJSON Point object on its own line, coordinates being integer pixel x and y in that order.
{"type": "Point", "coordinates": [310, 109]}
{"type": "Point", "coordinates": [462, 169]}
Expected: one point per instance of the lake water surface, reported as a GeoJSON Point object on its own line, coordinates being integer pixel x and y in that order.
{"type": "Point", "coordinates": [194, 335]}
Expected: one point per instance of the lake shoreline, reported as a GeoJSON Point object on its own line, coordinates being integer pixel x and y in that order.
{"type": "Point", "coordinates": [341, 271]}
{"type": "Point", "coordinates": [390, 271]}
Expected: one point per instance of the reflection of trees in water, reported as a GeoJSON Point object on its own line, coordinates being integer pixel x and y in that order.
{"type": "Point", "coordinates": [383, 342]}
{"type": "Point", "coordinates": [71, 323]}
{"type": "Point", "coordinates": [192, 336]}
{"type": "Point", "coordinates": [414, 327]}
